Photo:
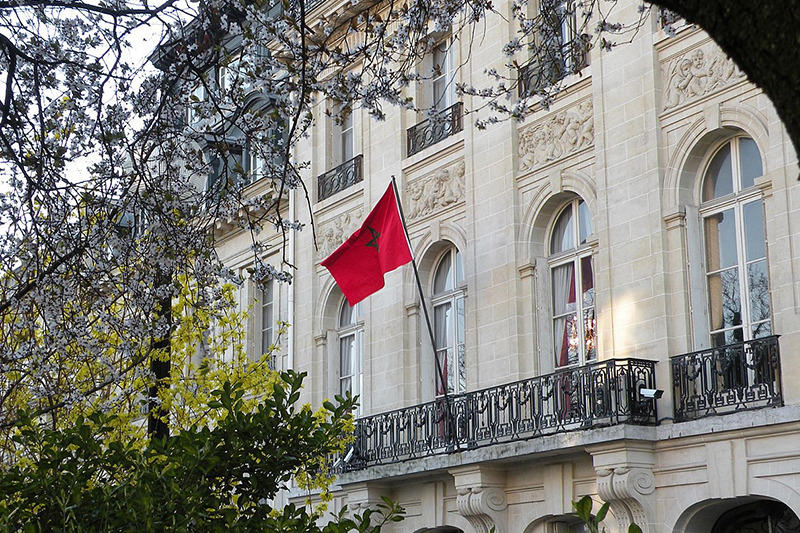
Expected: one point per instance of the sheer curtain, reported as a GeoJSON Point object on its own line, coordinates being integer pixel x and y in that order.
{"type": "Point", "coordinates": [563, 307]}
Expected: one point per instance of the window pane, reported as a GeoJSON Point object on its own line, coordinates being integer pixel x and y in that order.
{"type": "Point", "coordinates": [443, 281]}
{"type": "Point", "coordinates": [754, 231]}
{"type": "Point", "coordinates": [267, 320]}
{"type": "Point", "coordinates": [720, 231]}
{"type": "Point", "coordinates": [725, 301]}
{"type": "Point", "coordinates": [347, 144]}
{"type": "Point", "coordinates": [731, 336]}
{"type": "Point", "coordinates": [346, 385]}
{"type": "Point", "coordinates": [589, 334]}
{"type": "Point", "coordinates": [567, 339]}
{"type": "Point", "coordinates": [719, 179]}
{"type": "Point", "coordinates": [587, 281]}
{"type": "Point", "coordinates": [563, 234]}
{"type": "Point", "coordinates": [460, 333]}
{"type": "Point", "coordinates": [442, 318]}
{"type": "Point", "coordinates": [759, 291]}
{"type": "Point", "coordinates": [584, 221]}
{"type": "Point", "coordinates": [764, 329]}
{"type": "Point", "coordinates": [346, 353]}
{"type": "Point", "coordinates": [347, 316]}
{"type": "Point", "coordinates": [563, 282]}
{"type": "Point", "coordinates": [459, 268]}
{"type": "Point", "coordinates": [749, 161]}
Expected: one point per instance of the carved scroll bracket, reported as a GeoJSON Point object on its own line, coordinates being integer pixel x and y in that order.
{"type": "Point", "coordinates": [363, 496]}
{"type": "Point", "coordinates": [625, 480]}
{"type": "Point", "coordinates": [482, 498]}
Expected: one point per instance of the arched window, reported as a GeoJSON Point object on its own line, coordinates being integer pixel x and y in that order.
{"type": "Point", "coordinates": [735, 248]}
{"type": "Point", "coordinates": [350, 330]}
{"type": "Point", "coordinates": [448, 319]}
{"type": "Point", "coordinates": [572, 283]}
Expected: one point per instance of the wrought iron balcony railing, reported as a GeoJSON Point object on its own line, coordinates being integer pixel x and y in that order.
{"type": "Point", "coordinates": [339, 178]}
{"type": "Point", "coordinates": [726, 379]}
{"type": "Point", "coordinates": [553, 65]}
{"type": "Point", "coordinates": [599, 394]}
{"type": "Point", "coordinates": [437, 128]}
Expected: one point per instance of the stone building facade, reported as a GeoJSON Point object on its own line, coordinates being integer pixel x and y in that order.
{"type": "Point", "coordinates": [639, 234]}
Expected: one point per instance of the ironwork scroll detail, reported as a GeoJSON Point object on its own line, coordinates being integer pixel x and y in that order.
{"type": "Point", "coordinates": [437, 128]}
{"type": "Point", "coordinates": [725, 379]}
{"type": "Point", "coordinates": [599, 394]}
{"type": "Point", "coordinates": [339, 178]}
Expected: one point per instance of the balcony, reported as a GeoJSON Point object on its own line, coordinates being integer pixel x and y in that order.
{"type": "Point", "coordinates": [541, 73]}
{"type": "Point", "coordinates": [727, 379]}
{"type": "Point", "coordinates": [339, 178]}
{"type": "Point", "coordinates": [599, 394]}
{"type": "Point", "coordinates": [437, 128]}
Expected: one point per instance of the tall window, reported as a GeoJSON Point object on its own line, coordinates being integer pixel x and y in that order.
{"type": "Point", "coordinates": [736, 259]}
{"type": "Point", "coordinates": [572, 282]}
{"type": "Point", "coordinates": [561, 47]}
{"type": "Point", "coordinates": [266, 309]}
{"type": "Point", "coordinates": [351, 346]}
{"type": "Point", "coordinates": [442, 86]}
{"type": "Point", "coordinates": [449, 326]}
{"type": "Point", "coordinates": [346, 139]}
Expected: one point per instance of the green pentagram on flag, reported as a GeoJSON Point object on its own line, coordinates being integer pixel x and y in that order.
{"type": "Point", "coordinates": [374, 241]}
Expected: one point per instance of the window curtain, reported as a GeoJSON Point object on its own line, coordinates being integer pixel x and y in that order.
{"type": "Point", "coordinates": [563, 302]}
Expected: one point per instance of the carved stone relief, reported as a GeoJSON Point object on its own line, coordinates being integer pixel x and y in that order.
{"type": "Point", "coordinates": [334, 232]}
{"type": "Point", "coordinates": [697, 73]}
{"type": "Point", "coordinates": [564, 133]}
{"type": "Point", "coordinates": [435, 191]}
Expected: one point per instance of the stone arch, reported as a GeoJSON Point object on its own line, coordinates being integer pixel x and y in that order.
{"type": "Point", "coordinates": [328, 309]}
{"type": "Point", "coordinates": [571, 522]}
{"type": "Point", "coordinates": [697, 517]}
{"type": "Point", "coordinates": [426, 252]}
{"type": "Point", "coordinates": [541, 209]}
{"type": "Point", "coordinates": [693, 149]}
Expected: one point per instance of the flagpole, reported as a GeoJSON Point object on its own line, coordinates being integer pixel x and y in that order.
{"type": "Point", "coordinates": [427, 319]}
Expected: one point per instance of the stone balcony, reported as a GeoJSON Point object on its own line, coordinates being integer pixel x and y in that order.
{"type": "Point", "coordinates": [599, 394]}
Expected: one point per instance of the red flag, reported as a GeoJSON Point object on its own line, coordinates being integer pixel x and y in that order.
{"type": "Point", "coordinates": [378, 247]}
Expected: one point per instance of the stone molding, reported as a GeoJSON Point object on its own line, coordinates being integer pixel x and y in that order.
{"type": "Point", "coordinates": [562, 134]}
{"type": "Point", "coordinates": [696, 73]}
{"type": "Point", "coordinates": [334, 232]}
{"type": "Point", "coordinates": [435, 191]}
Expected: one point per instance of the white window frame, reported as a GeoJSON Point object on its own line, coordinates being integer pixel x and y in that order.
{"type": "Point", "coordinates": [443, 74]}
{"type": "Point", "coordinates": [450, 299]}
{"type": "Point", "coordinates": [584, 346]}
{"type": "Point", "coordinates": [267, 320]}
{"type": "Point", "coordinates": [734, 202]}
{"type": "Point", "coordinates": [352, 331]}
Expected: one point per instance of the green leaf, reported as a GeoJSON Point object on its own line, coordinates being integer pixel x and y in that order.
{"type": "Point", "coordinates": [601, 514]}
